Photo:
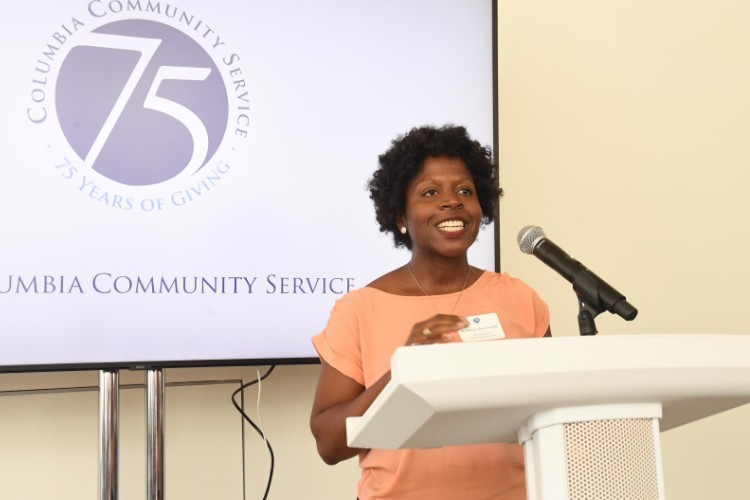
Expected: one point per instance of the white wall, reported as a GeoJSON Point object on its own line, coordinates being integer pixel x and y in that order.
{"type": "Point", "coordinates": [623, 133]}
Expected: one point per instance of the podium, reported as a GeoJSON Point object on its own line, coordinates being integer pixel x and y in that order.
{"type": "Point", "coordinates": [588, 410]}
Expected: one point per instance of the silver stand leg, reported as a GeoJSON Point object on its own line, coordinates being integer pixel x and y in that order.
{"type": "Point", "coordinates": [155, 434]}
{"type": "Point", "coordinates": [109, 410]}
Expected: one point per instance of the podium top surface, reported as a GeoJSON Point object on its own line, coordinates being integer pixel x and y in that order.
{"type": "Point", "coordinates": [468, 393]}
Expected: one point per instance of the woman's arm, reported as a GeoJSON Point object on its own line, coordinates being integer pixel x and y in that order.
{"type": "Point", "coordinates": [336, 398]}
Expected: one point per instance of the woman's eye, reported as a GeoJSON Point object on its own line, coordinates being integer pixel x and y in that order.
{"type": "Point", "coordinates": [465, 191]}
{"type": "Point", "coordinates": [430, 192]}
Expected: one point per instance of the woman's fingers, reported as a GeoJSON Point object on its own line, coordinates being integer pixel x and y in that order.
{"type": "Point", "coordinates": [440, 328]}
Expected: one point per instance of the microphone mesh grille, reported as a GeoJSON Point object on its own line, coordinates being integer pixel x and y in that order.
{"type": "Point", "coordinates": [528, 237]}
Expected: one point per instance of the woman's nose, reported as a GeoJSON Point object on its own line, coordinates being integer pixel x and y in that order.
{"type": "Point", "coordinates": [451, 200]}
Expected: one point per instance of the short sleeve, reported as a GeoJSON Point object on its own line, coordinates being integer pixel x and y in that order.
{"type": "Point", "coordinates": [339, 343]}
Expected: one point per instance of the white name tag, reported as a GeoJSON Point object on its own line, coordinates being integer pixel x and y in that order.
{"type": "Point", "coordinates": [482, 327]}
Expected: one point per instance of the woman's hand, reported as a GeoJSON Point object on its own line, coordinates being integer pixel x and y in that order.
{"type": "Point", "coordinates": [439, 329]}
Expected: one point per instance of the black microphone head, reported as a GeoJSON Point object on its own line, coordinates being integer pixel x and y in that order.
{"type": "Point", "coordinates": [528, 237]}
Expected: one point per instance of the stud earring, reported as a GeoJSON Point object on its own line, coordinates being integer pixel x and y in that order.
{"type": "Point", "coordinates": [403, 230]}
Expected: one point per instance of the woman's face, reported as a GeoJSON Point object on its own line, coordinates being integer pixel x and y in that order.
{"type": "Point", "coordinates": [442, 214]}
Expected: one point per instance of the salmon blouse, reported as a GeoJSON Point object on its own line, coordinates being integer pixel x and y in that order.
{"type": "Point", "coordinates": [365, 328]}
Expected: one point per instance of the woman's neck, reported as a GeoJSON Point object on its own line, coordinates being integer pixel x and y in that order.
{"type": "Point", "coordinates": [441, 276]}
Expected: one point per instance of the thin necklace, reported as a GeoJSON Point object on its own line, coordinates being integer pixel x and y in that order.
{"type": "Point", "coordinates": [466, 281]}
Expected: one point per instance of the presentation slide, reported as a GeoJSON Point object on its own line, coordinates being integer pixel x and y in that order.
{"type": "Point", "coordinates": [185, 182]}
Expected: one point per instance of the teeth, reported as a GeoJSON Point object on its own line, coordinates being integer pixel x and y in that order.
{"type": "Point", "coordinates": [451, 225]}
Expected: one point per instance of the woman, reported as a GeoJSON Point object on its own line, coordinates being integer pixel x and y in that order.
{"type": "Point", "coordinates": [434, 189]}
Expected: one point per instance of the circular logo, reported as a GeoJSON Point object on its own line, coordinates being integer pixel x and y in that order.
{"type": "Point", "coordinates": [140, 102]}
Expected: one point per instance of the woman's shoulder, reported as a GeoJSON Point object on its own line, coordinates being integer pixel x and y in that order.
{"type": "Point", "coordinates": [393, 283]}
{"type": "Point", "coordinates": [384, 283]}
{"type": "Point", "coordinates": [368, 301]}
{"type": "Point", "coordinates": [376, 291]}
{"type": "Point", "coordinates": [503, 280]}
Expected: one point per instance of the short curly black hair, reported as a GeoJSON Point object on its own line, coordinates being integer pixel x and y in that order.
{"type": "Point", "coordinates": [405, 158]}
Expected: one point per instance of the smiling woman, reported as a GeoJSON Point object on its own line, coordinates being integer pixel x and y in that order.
{"type": "Point", "coordinates": [433, 191]}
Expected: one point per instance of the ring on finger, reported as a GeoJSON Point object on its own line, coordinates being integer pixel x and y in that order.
{"type": "Point", "coordinates": [427, 332]}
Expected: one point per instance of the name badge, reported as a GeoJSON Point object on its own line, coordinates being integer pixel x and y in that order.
{"type": "Point", "coordinates": [482, 327]}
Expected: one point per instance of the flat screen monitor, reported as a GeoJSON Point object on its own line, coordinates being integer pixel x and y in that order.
{"type": "Point", "coordinates": [184, 183]}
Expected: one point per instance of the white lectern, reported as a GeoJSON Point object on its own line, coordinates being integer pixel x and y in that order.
{"type": "Point", "coordinates": [588, 410]}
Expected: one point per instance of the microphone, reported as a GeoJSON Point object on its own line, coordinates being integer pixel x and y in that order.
{"type": "Point", "coordinates": [590, 288]}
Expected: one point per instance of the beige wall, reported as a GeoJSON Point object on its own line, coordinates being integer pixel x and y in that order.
{"type": "Point", "coordinates": [49, 441]}
{"type": "Point", "coordinates": [624, 133]}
